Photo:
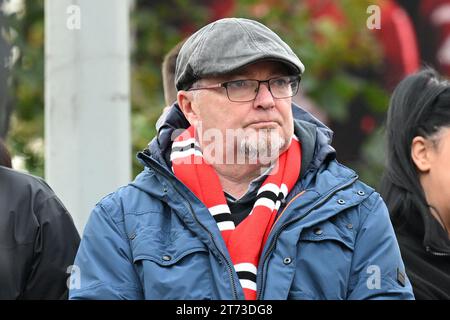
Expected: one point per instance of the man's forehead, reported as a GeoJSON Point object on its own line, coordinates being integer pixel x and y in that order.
{"type": "Point", "coordinates": [260, 68]}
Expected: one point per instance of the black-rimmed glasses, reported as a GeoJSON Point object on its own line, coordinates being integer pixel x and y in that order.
{"type": "Point", "coordinates": [246, 90]}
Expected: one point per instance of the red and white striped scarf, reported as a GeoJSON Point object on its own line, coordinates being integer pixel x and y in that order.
{"type": "Point", "coordinates": [246, 241]}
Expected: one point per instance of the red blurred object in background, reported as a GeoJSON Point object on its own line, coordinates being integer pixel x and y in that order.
{"type": "Point", "coordinates": [435, 21]}
{"type": "Point", "coordinates": [398, 40]}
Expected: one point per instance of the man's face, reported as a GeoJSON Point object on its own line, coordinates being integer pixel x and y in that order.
{"type": "Point", "coordinates": [263, 125]}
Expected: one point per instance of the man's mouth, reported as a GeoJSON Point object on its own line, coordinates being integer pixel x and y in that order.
{"type": "Point", "coordinates": [263, 124]}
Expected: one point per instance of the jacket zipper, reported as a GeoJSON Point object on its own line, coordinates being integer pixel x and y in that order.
{"type": "Point", "coordinates": [435, 253]}
{"type": "Point", "coordinates": [277, 234]}
{"type": "Point", "coordinates": [230, 268]}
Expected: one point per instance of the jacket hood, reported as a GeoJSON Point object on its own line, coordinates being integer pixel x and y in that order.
{"type": "Point", "coordinates": [315, 138]}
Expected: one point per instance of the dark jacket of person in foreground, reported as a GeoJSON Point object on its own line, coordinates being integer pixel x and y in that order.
{"type": "Point", "coordinates": [38, 239]}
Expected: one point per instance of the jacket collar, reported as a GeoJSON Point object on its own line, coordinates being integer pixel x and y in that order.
{"type": "Point", "coordinates": [424, 226]}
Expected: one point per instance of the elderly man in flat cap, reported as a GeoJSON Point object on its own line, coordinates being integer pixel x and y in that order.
{"type": "Point", "coordinates": [241, 196]}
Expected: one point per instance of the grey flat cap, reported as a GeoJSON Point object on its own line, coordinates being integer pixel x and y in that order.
{"type": "Point", "coordinates": [227, 45]}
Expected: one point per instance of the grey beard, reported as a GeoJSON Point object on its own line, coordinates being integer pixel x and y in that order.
{"type": "Point", "coordinates": [262, 146]}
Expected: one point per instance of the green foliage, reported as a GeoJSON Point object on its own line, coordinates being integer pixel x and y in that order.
{"type": "Point", "coordinates": [332, 54]}
{"type": "Point", "coordinates": [371, 165]}
{"type": "Point", "coordinates": [26, 33]}
{"type": "Point", "coordinates": [329, 51]}
{"type": "Point", "coordinates": [155, 27]}
{"type": "Point", "coordinates": [337, 57]}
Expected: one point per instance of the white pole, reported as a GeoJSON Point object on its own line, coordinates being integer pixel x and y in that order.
{"type": "Point", "coordinates": [87, 101]}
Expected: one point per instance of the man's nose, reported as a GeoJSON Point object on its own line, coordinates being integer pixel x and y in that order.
{"type": "Point", "coordinates": [264, 98]}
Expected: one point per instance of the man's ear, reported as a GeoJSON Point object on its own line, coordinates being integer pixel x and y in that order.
{"type": "Point", "coordinates": [421, 149]}
{"type": "Point", "coordinates": [185, 101]}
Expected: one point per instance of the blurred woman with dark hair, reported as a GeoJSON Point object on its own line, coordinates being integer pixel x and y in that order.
{"type": "Point", "coordinates": [5, 158]}
{"type": "Point", "coordinates": [416, 182]}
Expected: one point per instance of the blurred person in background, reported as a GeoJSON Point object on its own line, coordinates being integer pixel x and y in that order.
{"type": "Point", "coordinates": [168, 74]}
{"type": "Point", "coordinates": [416, 182]}
{"type": "Point", "coordinates": [168, 77]}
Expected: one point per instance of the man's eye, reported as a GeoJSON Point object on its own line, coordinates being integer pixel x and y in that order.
{"type": "Point", "coordinates": [281, 82]}
{"type": "Point", "coordinates": [238, 84]}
